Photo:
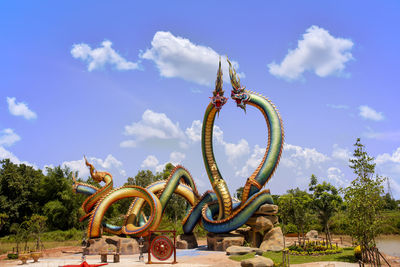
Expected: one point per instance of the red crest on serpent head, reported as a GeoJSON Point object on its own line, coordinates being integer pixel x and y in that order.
{"type": "Point", "coordinates": [218, 99]}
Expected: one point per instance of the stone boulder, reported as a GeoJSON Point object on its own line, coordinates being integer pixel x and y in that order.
{"type": "Point", "coordinates": [186, 241]}
{"type": "Point", "coordinates": [252, 237]}
{"type": "Point", "coordinates": [312, 235]}
{"type": "Point", "coordinates": [257, 262]}
{"type": "Point", "coordinates": [128, 246]}
{"type": "Point", "coordinates": [260, 223]}
{"type": "Point", "coordinates": [220, 242]}
{"type": "Point", "coordinates": [272, 218]}
{"type": "Point", "coordinates": [237, 250]}
{"type": "Point", "coordinates": [267, 209]}
{"type": "Point", "coordinates": [273, 240]}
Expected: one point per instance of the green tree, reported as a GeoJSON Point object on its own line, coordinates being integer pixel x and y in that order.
{"type": "Point", "coordinates": [37, 225]}
{"type": "Point", "coordinates": [295, 207]}
{"type": "Point", "coordinates": [60, 205]}
{"type": "Point", "coordinates": [390, 203]}
{"type": "Point", "coordinates": [363, 197]}
{"type": "Point", "coordinates": [326, 202]}
{"type": "Point", "coordinates": [21, 234]}
{"type": "Point", "coordinates": [19, 185]}
{"type": "Point", "coordinates": [3, 219]}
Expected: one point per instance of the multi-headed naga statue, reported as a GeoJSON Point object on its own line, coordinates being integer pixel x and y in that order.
{"type": "Point", "coordinates": [215, 209]}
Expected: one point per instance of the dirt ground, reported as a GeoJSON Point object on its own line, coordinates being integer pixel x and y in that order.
{"type": "Point", "coordinates": [200, 257]}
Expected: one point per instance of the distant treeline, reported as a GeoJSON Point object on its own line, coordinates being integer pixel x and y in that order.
{"type": "Point", "coordinates": [25, 191]}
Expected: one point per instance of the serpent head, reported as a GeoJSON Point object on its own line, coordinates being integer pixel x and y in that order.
{"type": "Point", "coordinates": [97, 176]}
{"type": "Point", "coordinates": [238, 92]}
{"type": "Point", "coordinates": [218, 99]}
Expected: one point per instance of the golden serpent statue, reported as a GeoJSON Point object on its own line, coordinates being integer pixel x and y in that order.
{"type": "Point", "coordinates": [215, 209]}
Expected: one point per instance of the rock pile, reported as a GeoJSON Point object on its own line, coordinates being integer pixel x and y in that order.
{"type": "Point", "coordinates": [263, 232]}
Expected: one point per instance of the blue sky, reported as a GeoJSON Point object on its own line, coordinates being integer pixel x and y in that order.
{"type": "Point", "coordinates": [127, 84]}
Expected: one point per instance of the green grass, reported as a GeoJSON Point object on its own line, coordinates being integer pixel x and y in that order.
{"type": "Point", "coordinates": [242, 257]}
{"type": "Point", "coordinates": [346, 256]}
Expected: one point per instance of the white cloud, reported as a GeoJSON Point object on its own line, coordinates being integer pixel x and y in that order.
{"type": "Point", "coordinates": [153, 125]}
{"type": "Point", "coordinates": [252, 163]}
{"type": "Point", "coordinates": [336, 176]}
{"type": "Point", "coordinates": [341, 153]}
{"type": "Point", "coordinates": [235, 151]}
{"type": "Point", "coordinates": [232, 151]}
{"type": "Point", "coordinates": [5, 154]}
{"type": "Point", "coordinates": [297, 156]}
{"type": "Point", "coordinates": [8, 137]}
{"type": "Point", "coordinates": [387, 158]}
{"type": "Point", "coordinates": [178, 57]}
{"type": "Point", "coordinates": [369, 113]}
{"type": "Point", "coordinates": [218, 135]}
{"type": "Point", "coordinates": [318, 52]}
{"type": "Point", "coordinates": [176, 157]}
{"type": "Point", "coordinates": [110, 164]}
{"type": "Point", "coordinates": [194, 132]}
{"type": "Point", "coordinates": [20, 109]}
{"type": "Point", "coordinates": [149, 162]}
{"type": "Point", "coordinates": [99, 57]}
{"type": "Point", "coordinates": [388, 165]}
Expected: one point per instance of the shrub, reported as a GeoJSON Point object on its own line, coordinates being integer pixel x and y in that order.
{"type": "Point", "coordinates": [12, 256]}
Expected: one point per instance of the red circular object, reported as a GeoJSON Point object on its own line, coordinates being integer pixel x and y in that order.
{"type": "Point", "coordinates": [161, 247]}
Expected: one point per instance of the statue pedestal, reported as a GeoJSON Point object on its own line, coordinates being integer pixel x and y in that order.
{"type": "Point", "coordinates": [128, 246]}
{"type": "Point", "coordinates": [220, 242]}
{"type": "Point", "coordinates": [186, 241]}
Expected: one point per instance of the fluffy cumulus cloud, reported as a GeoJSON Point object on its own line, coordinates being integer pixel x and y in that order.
{"type": "Point", "coordinates": [318, 51]}
{"type": "Point", "coordinates": [153, 125]}
{"type": "Point", "coordinates": [232, 150]}
{"type": "Point", "coordinates": [8, 137]}
{"type": "Point", "coordinates": [336, 176]}
{"type": "Point", "coordinates": [20, 109]}
{"type": "Point", "coordinates": [5, 154]}
{"type": "Point", "coordinates": [97, 58]}
{"type": "Point", "coordinates": [341, 153]}
{"type": "Point", "coordinates": [301, 157]}
{"type": "Point", "coordinates": [151, 162]}
{"type": "Point", "coordinates": [110, 164]}
{"type": "Point", "coordinates": [176, 157]}
{"type": "Point", "coordinates": [369, 113]}
{"type": "Point", "coordinates": [178, 57]}
{"type": "Point", "coordinates": [252, 163]}
{"type": "Point", "coordinates": [389, 158]}
{"type": "Point", "coordinates": [194, 132]}
{"type": "Point", "coordinates": [388, 165]}
{"type": "Point", "coordinates": [235, 151]}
